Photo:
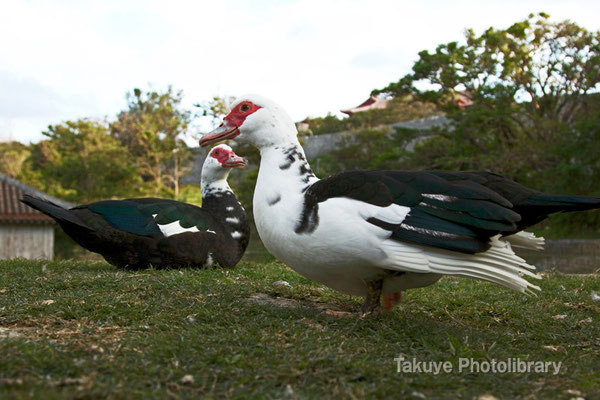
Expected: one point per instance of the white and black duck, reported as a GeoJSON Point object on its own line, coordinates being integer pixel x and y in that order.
{"type": "Point", "coordinates": [368, 233]}
{"type": "Point", "coordinates": [137, 233]}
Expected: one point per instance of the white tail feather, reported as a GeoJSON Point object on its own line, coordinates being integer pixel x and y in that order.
{"type": "Point", "coordinates": [499, 264]}
{"type": "Point", "coordinates": [525, 240]}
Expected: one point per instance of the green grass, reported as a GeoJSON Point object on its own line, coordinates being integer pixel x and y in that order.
{"type": "Point", "coordinates": [87, 330]}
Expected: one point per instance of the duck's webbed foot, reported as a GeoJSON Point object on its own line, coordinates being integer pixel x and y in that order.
{"type": "Point", "coordinates": [372, 303]}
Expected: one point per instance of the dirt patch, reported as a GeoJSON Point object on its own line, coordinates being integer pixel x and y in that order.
{"type": "Point", "coordinates": [264, 299]}
{"type": "Point", "coordinates": [8, 333]}
{"type": "Point", "coordinates": [84, 335]}
{"type": "Point", "coordinates": [283, 302]}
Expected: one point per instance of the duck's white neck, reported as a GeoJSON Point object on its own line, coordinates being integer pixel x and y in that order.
{"type": "Point", "coordinates": [214, 186]}
{"type": "Point", "coordinates": [287, 161]}
{"type": "Point", "coordinates": [283, 177]}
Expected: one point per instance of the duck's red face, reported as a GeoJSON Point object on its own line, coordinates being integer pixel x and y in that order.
{"type": "Point", "coordinates": [227, 158]}
{"type": "Point", "coordinates": [229, 128]}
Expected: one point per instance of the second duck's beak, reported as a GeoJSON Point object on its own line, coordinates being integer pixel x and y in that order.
{"type": "Point", "coordinates": [235, 161]}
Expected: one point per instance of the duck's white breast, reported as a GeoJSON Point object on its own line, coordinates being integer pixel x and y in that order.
{"type": "Point", "coordinates": [343, 252]}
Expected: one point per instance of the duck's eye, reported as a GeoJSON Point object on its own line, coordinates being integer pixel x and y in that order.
{"type": "Point", "coordinates": [217, 152]}
{"type": "Point", "coordinates": [245, 107]}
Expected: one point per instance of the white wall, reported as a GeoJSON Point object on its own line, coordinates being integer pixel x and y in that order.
{"type": "Point", "coordinates": [26, 241]}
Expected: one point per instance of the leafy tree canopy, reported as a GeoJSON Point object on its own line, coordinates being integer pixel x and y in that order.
{"type": "Point", "coordinates": [12, 157]}
{"type": "Point", "coordinates": [81, 162]}
{"type": "Point", "coordinates": [152, 129]}
{"type": "Point", "coordinates": [531, 85]}
{"type": "Point", "coordinates": [544, 67]}
{"type": "Point", "coordinates": [215, 109]}
{"type": "Point", "coordinates": [532, 112]}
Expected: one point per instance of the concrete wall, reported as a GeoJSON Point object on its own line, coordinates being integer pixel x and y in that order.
{"type": "Point", "coordinates": [571, 256]}
{"type": "Point", "coordinates": [319, 145]}
{"type": "Point", "coordinates": [26, 241]}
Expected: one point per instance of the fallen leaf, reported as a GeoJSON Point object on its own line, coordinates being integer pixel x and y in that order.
{"type": "Point", "coordinates": [7, 333]}
{"type": "Point", "coordinates": [559, 316]}
{"type": "Point", "coordinates": [338, 314]}
{"type": "Point", "coordinates": [11, 382]}
{"type": "Point", "coordinates": [47, 302]}
{"type": "Point", "coordinates": [187, 380]}
{"type": "Point", "coordinates": [88, 381]}
{"type": "Point", "coordinates": [573, 392]}
{"type": "Point", "coordinates": [585, 321]}
{"type": "Point", "coordinates": [66, 382]}
{"type": "Point", "coordinates": [289, 392]}
{"type": "Point", "coordinates": [487, 397]}
{"type": "Point", "coordinates": [96, 348]}
{"type": "Point", "coordinates": [553, 347]}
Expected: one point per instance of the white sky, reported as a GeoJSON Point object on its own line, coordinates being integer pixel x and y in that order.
{"type": "Point", "coordinates": [62, 60]}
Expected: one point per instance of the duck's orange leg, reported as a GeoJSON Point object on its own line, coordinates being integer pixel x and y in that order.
{"type": "Point", "coordinates": [390, 300]}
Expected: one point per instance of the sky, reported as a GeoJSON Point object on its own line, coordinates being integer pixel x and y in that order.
{"type": "Point", "coordinates": [64, 60]}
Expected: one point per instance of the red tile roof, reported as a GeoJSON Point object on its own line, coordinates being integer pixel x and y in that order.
{"type": "Point", "coordinates": [14, 212]}
{"type": "Point", "coordinates": [371, 103]}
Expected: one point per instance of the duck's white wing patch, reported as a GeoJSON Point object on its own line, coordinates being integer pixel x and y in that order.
{"type": "Point", "coordinates": [403, 256]}
{"type": "Point", "coordinates": [174, 228]}
{"type": "Point", "coordinates": [393, 214]}
{"type": "Point", "coordinates": [345, 221]}
{"type": "Point", "coordinates": [440, 197]}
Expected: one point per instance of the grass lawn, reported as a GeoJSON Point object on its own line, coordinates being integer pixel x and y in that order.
{"type": "Point", "coordinates": [88, 330]}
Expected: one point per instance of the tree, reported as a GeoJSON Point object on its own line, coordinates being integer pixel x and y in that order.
{"type": "Point", "coordinates": [328, 124]}
{"type": "Point", "coordinates": [528, 84]}
{"type": "Point", "coordinates": [215, 109]}
{"type": "Point", "coordinates": [81, 162]}
{"type": "Point", "coordinates": [152, 128]}
{"type": "Point", "coordinates": [533, 88]}
{"type": "Point", "coordinates": [12, 157]}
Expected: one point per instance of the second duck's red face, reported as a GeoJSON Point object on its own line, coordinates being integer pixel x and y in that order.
{"type": "Point", "coordinates": [227, 158]}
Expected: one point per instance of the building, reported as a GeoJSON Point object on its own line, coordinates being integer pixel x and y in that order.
{"type": "Point", "coordinates": [303, 126]}
{"type": "Point", "coordinates": [24, 232]}
{"type": "Point", "coordinates": [461, 98]}
{"type": "Point", "coordinates": [372, 103]}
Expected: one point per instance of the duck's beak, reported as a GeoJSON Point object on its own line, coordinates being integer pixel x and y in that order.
{"type": "Point", "coordinates": [235, 161]}
{"type": "Point", "coordinates": [223, 132]}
